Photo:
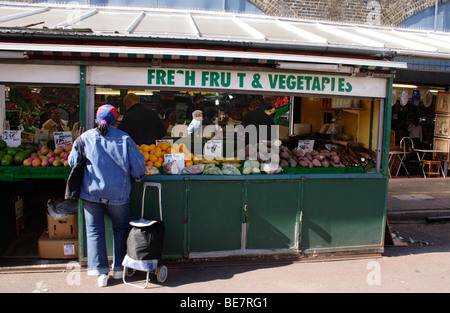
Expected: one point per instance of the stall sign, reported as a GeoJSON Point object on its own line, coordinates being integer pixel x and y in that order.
{"type": "Point", "coordinates": [40, 135]}
{"type": "Point", "coordinates": [178, 158]}
{"type": "Point", "coordinates": [305, 145]}
{"type": "Point", "coordinates": [62, 139]}
{"type": "Point", "coordinates": [213, 148]}
{"type": "Point", "coordinates": [267, 81]}
{"type": "Point", "coordinates": [12, 138]}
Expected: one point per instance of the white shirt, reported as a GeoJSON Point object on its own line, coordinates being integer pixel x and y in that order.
{"type": "Point", "coordinates": [415, 131]}
{"type": "Point", "coordinates": [194, 128]}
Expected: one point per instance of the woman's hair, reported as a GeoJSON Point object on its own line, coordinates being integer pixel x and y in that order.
{"type": "Point", "coordinates": [103, 127]}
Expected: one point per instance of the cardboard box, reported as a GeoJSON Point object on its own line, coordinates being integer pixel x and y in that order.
{"type": "Point", "coordinates": [63, 228]}
{"type": "Point", "coordinates": [57, 248]}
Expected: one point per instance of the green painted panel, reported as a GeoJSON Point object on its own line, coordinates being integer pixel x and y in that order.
{"type": "Point", "coordinates": [343, 213]}
{"type": "Point", "coordinates": [173, 212]}
{"type": "Point", "coordinates": [273, 209]}
{"type": "Point", "coordinates": [215, 215]}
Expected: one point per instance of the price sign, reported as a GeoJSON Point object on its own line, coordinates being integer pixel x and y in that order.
{"type": "Point", "coordinates": [213, 148]}
{"type": "Point", "coordinates": [178, 158]}
{"type": "Point", "coordinates": [62, 139]}
{"type": "Point", "coordinates": [12, 137]}
{"type": "Point", "coordinates": [305, 145]}
{"type": "Point", "coordinates": [165, 140]}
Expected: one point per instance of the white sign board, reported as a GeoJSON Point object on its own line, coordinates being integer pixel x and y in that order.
{"type": "Point", "coordinates": [12, 138]}
{"type": "Point", "coordinates": [274, 81]}
{"type": "Point", "coordinates": [62, 139]}
{"type": "Point", "coordinates": [213, 148]}
{"type": "Point", "coordinates": [178, 158]}
{"type": "Point", "coordinates": [305, 145]}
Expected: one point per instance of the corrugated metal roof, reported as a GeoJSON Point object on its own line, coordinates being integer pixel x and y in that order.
{"type": "Point", "coordinates": [218, 27]}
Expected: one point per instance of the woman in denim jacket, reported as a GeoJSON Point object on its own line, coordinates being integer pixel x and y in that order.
{"type": "Point", "coordinates": [112, 160]}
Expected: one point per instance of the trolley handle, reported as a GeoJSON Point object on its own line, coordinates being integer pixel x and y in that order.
{"type": "Point", "coordinates": [150, 184]}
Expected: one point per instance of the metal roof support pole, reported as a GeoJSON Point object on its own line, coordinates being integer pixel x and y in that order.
{"type": "Point", "coordinates": [2, 108]}
{"type": "Point", "coordinates": [387, 104]}
{"type": "Point", "coordinates": [83, 96]}
{"type": "Point", "coordinates": [436, 14]}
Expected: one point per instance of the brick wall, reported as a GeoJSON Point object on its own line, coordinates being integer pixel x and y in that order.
{"type": "Point", "coordinates": [381, 12]}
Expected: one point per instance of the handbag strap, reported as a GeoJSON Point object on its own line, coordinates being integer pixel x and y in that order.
{"type": "Point", "coordinates": [80, 147]}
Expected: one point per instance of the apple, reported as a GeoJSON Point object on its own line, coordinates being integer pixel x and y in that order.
{"type": "Point", "coordinates": [50, 160]}
{"type": "Point", "coordinates": [58, 151]}
{"type": "Point", "coordinates": [34, 154]}
{"type": "Point", "coordinates": [66, 163]}
{"type": "Point", "coordinates": [36, 162]}
{"type": "Point", "coordinates": [65, 155]}
{"type": "Point", "coordinates": [51, 154]}
{"type": "Point", "coordinates": [44, 162]}
{"type": "Point", "coordinates": [44, 150]}
{"type": "Point", "coordinates": [27, 162]}
{"type": "Point", "coordinates": [68, 148]}
{"type": "Point", "coordinates": [57, 162]}
{"type": "Point", "coordinates": [44, 157]}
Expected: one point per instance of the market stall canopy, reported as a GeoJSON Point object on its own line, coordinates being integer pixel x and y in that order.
{"type": "Point", "coordinates": [218, 29]}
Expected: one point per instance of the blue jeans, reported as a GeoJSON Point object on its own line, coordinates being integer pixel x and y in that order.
{"type": "Point", "coordinates": [95, 231]}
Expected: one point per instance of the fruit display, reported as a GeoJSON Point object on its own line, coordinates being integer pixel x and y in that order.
{"type": "Point", "coordinates": [154, 153]}
{"type": "Point", "coordinates": [259, 159]}
{"type": "Point", "coordinates": [30, 155]}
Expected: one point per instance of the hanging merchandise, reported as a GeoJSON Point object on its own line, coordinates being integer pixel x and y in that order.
{"type": "Point", "coordinates": [428, 98]}
{"type": "Point", "coordinates": [394, 97]}
{"type": "Point", "coordinates": [404, 97]}
{"type": "Point", "coordinates": [415, 99]}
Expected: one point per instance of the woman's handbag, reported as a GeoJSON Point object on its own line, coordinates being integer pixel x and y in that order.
{"type": "Point", "coordinates": [75, 179]}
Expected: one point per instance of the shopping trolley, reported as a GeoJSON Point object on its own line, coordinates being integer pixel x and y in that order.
{"type": "Point", "coordinates": [144, 245]}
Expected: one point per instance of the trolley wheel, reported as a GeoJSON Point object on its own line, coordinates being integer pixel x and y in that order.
{"type": "Point", "coordinates": [129, 272]}
{"type": "Point", "coordinates": [161, 273]}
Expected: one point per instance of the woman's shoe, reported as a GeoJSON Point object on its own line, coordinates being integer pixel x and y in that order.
{"type": "Point", "coordinates": [103, 280]}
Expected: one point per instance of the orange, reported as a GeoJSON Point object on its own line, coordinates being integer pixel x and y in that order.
{"type": "Point", "coordinates": [188, 163]}
{"type": "Point", "coordinates": [153, 158]}
{"type": "Point", "coordinates": [197, 160]}
{"type": "Point", "coordinates": [157, 164]}
{"type": "Point", "coordinates": [146, 156]}
{"type": "Point", "coordinates": [152, 147]}
{"type": "Point", "coordinates": [160, 159]}
{"type": "Point", "coordinates": [165, 146]}
{"type": "Point", "coordinates": [149, 163]}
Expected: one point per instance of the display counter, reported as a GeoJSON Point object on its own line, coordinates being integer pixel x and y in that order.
{"type": "Point", "coordinates": [218, 216]}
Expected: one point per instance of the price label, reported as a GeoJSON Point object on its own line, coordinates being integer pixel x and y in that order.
{"type": "Point", "coordinates": [12, 138]}
{"type": "Point", "coordinates": [213, 148]}
{"type": "Point", "coordinates": [178, 158]}
{"type": "Point", "coordinates": [165, 140]}
{"type": "Point", "coordinates": [62, 139]}
{"type": "Point", "coordinates": [305, 145]}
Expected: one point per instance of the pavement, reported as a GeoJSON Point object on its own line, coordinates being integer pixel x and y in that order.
{"type": "Point", "coordinates": [419, 216]}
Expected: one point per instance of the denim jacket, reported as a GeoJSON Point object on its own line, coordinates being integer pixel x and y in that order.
{"type": "Point", "coordinates": [112, 160]}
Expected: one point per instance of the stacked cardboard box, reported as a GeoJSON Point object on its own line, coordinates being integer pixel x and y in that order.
{"type": "Point", "coordinates": [61, 239]}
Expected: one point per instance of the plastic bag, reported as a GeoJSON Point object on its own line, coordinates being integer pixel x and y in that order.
{"type": "Point", "coordinates": [59, 209]}
{"type": "Point", "coordinates": [229, 169]}
{"type": "Point", "coordinates": [211, 169]}
{"type": "Point", "coordinates": [151, 170]}
{"type": "Point", "coordinates": [251, 167]}
{"type": "Point", "coordinates": [193, 169]}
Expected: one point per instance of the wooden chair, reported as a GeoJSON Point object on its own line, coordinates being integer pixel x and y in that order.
{"type": "Point", "coordinates": [434, 167]}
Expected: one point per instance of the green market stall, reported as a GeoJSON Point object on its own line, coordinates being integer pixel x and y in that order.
{"type": "Point", "coordinates": [300, 211]}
